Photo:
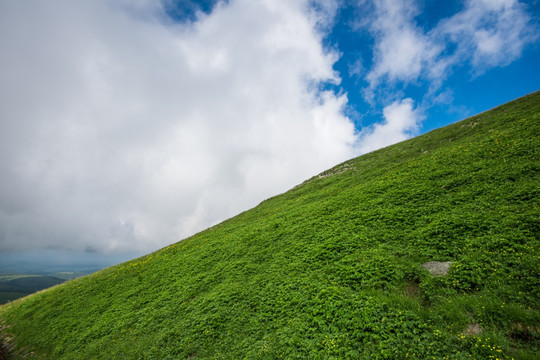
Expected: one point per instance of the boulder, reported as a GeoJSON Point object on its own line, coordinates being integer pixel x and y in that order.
{"type": "Point", "coordinates": [473, 329]}
{"type": "Point", "coordinates": [437, 268]}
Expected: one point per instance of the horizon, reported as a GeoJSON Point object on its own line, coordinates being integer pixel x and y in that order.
{"type": "Point", "coordinates": [145, 124]}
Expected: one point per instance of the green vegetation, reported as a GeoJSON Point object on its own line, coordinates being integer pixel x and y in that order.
{"type": "Point", "coordinates": [332, 269]}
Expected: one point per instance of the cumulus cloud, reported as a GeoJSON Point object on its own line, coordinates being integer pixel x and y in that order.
{"type": "Point", "coordinates": [488, 33]}
{"type": "Point", "coordinates": [401, 121]}
{"type": "Point", "coordinates": [402, 51]}
{"type": "Point", "coordinates": [483, 34]}
{"type": "Point", "coordinates": [122, 130]}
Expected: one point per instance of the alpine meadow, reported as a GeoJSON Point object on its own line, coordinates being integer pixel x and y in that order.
{"type": "Point", "coordinates": [335, 268]}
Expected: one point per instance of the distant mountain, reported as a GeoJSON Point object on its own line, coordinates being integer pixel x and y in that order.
{"type": "Point", "coordinates": [427, 249]}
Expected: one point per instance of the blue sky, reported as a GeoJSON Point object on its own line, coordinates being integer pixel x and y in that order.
{"type": "Point", "coordinates": [470, 89]}
{"type": "Point", "coordinates": [127, 126]}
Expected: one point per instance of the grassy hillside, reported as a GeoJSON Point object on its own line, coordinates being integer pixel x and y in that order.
{"type": "Point", "coordinates": [332, 269]}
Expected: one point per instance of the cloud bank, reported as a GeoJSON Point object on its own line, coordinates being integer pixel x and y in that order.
{"type": "Point", "coordinates": [121, 130]}
{"type": "Point", "coordinates": [124, 130]}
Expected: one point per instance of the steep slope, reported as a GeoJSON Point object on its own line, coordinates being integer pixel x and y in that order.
{"type": "Point", "coordinates": [332, 269]}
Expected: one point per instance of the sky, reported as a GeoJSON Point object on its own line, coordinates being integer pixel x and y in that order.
{"type": "Point", "coordinates": [126, 126]}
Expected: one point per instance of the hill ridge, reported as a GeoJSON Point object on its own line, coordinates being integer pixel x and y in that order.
{"type": "Point", "coordinates": [332, 269]}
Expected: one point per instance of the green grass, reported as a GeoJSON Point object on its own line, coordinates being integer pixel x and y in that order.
{"type": "Point", "coordinates": [332, 268]}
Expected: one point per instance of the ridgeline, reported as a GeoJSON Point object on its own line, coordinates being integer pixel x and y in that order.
{"type": "Point", "coordinates": [333, 269]}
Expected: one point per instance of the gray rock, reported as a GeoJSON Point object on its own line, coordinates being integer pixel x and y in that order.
{"type": "Point", "coordinates": [473, 329]}
{"type": "Point", "coordinates": [437, 268]}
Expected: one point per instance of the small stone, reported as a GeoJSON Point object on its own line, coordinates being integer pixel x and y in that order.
{"type": "Point", "coordinates": [437, 268]}
{"type": "Point", "coordinates": [473, 329]}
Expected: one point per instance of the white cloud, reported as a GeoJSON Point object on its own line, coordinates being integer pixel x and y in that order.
{"type": "Point", "coordinates": [488, 33]}
{"type": "Point", "coordinates": [401, 121]}
{"type": "Point", "coordinates": [402, 51]}
{"type": "Point", "coordinates": [122, 131]}
{"type": "Point", "coordinates": [484, 34]}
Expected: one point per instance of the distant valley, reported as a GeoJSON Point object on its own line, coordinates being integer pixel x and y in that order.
{"type": "Point", "coordinates": [14, 286]}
